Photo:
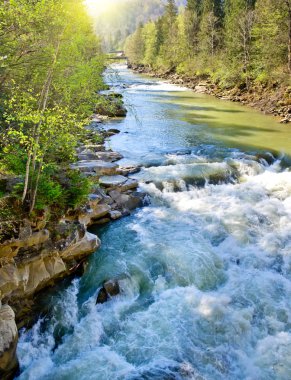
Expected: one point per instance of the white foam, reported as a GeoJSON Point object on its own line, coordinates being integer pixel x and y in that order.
{"type": "Point", "coordinates": [160, 86]}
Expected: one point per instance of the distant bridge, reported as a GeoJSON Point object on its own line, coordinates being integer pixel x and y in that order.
{"type": "Point", "coordinates": [116, 55]}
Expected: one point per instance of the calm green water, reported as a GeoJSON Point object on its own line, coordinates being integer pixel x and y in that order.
{"type": "Point", "coordinates": [205, 269]}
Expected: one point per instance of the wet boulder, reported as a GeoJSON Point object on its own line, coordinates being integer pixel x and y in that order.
{"type": "Point", "coordinates": [109, 289]}
{"type": "Point", "coordinates": [128, 202]}
{"type": "Point", "coordinates": [102, 296]}
{"type": "Point", "coordinates": [111, 132]}
{"type": "Point", "coordinates": [112, 287]}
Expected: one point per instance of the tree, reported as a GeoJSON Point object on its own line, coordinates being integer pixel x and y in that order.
{"type": "Point", "coordinates": [49, 80]}
{"type": "Point", "coordinates": [239, 21]}
{"type": "Point", "coordinates": [193, 14]}
{"type": "Point", "coordinates": [134, 46]}
{"type": "Point", "coordinates": [151, 44]}
{"type": "Point", "coordinates": [211, 27]}
{"type": "Point", "coordinates": [288, 8]}
{"type": "Point", "coordinates": [271, 33]}
{"type": "Point", "coordinates": [169, 48]}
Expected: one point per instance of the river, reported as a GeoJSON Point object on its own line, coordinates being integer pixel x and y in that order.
{"type": "Point", "coordinates": [205, 268]}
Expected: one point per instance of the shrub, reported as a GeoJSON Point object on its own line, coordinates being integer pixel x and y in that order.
{"type": "Point", "coordinates": [77, 189]}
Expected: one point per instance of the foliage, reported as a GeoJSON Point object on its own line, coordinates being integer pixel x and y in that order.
{"type": "Point", "coordinates": [234, 42]}
{"type": "Point", "coordinates": [77, 189]}
{"type": "Point", "coordinates": [51, 67]}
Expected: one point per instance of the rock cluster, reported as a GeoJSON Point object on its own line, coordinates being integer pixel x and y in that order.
{"type": "Point", "coordinates": [116, 195]}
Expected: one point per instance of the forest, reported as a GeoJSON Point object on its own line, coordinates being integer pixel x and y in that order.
{"type": "Point", "coordinates": [51, 67]}
{"type": "Point", "coordinates": [232, 42]}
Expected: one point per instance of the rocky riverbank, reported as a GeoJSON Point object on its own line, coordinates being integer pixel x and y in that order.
{"type": "Point", "coordinates": [40, 254]}
{"type": "Point", "coordinates": [275, 100]}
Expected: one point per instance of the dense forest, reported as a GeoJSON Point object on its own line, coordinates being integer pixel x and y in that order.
{"type": "Point", "coordinates": [232, 42]}
{"type": "Point", "coordinates": [51, 68]}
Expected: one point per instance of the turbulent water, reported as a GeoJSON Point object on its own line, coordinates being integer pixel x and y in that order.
{"type": "Point", "coordinates": [205, 269]}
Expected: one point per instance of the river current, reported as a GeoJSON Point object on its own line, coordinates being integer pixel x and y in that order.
{"type": "Point", "coordinates": [205, 268]}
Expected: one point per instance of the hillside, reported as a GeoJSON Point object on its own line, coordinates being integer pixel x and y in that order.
{"type": "Point", "coordinates": [118, 22]}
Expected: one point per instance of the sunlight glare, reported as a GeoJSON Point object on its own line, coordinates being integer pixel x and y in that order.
{"type": "Point", "coordinates": [97, 7]}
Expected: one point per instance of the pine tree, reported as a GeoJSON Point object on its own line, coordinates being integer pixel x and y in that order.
{"type": "Point", "coordinates": [239, 22]}
{"type": "Point", "coordinates": [168, 51]}
{"type": "Point", "coordinates": [211, 27]}
{"type": "Point", "coordinates": [171, 11]}
{"type": "Point", "coordinates": [135, 46]}
{"type": "Point", "coordinates": [193, 14]}
{"type": "Point", "coordinates": [272, 36]}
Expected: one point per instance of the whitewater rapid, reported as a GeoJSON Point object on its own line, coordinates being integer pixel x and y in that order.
{"type": "Point", "coordinates": [204, 270]}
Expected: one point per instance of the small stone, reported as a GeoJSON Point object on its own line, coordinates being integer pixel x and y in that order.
{"type": "Point", "coordinates": [94, 197]}
{"type": "Point", "coordinates": [114, 131]}
{"type": "Point", "coordinates": [285, 121]}
{"type": "Point", "coordinates": [114, 215]}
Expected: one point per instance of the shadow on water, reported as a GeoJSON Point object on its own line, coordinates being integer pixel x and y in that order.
{"type": "Point", "coordinates": [235, 130]}
{"type": "Point", "coordinates": [168, 99]}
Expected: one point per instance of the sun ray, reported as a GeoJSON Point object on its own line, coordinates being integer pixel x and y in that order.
{"type": "Point", "coordinates": [97, 7]}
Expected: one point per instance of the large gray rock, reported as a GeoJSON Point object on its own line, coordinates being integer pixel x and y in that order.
{"type": "Point", "coordinates": [112, 181]}
{"type": "Point", "coordinates": [87, 155]}
{"type": "Point", "coordinates": [127, 202]}
{"type": "Point", "coordinates": [93, 213]}
{"type": "Point", "coordinates": [87, 245]}
{"type": "Point", "coordinates": [126, 170]}
{"type": "Point", "coordinates": [98, 167]}
{"type": "Point", "coordinates": [109, 156]}
{"type": "Point", "coordinates": [130, 184]}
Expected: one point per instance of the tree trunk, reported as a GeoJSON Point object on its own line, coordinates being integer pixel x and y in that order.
{"type": "Point", "coordinates": [288, 3]}
{"type": "Point", "coordinates": [42, 107]}
{"type": "Point", "coordinates": [35, 189]}
{"type": "Point", "coordinates": [26, 181]}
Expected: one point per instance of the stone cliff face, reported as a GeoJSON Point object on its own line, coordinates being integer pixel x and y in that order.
{"type": "Point", "coordinates": [29, 264]}
{"type": "Point", "coordinates": [41, 262]}
{"type": "Point", "coordinates": [8, 342]}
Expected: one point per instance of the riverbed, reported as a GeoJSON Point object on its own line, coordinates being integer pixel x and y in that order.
{"type": "Point", "coordinates": [204, 269]}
